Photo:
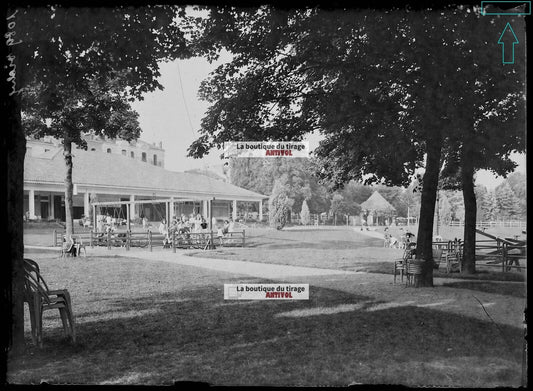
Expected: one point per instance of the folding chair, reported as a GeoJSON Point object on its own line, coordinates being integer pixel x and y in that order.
{"type": "Point", "coordinates": [413, 269]}
{"type": "Point", "coordinates": [40, 299]}
{"type": "Point", "coordinates": [437, 256]}
{"type": "Point", "coordinates": [80, 246]}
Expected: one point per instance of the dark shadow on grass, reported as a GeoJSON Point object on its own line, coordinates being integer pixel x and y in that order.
{"type": "Point", "coordinates": [193, 334]}
{"type": "Point", "coordinates": [503, 288]}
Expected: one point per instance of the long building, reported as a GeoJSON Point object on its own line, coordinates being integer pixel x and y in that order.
{"type": "Point", "coordinates": [101, 176]}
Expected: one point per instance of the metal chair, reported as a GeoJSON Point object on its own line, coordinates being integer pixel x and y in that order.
{"type": "Point", "coordinates": [454, 257]}
{"type": "Point", "coordinates": [399, 268]}
{"type": "Point", "coordinates": [40, 299]}
{"type": "Point", "coordinates": [437, 256]}
{"type": "Point", "coordinates": [413, 269]}
{"type": "Point", "coordinates": [80, 246]}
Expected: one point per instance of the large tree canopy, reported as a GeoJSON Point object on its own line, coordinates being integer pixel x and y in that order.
{"type": "Point", "coordinates": [392, 91]}
{"type": "Point", "coordinates": [76, 70]}
{"type": "Point", "coordinates": [79, 67]}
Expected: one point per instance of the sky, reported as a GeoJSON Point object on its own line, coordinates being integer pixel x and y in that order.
{"type": "Point", "coordinates": [173, 116]}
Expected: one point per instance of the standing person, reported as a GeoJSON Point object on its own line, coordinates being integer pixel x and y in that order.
{"type": "Point", "coordinates": [145, 222]}
{"type": "Point", "coordinates": [198, 223]}
{"type": "Point", "coordinates": [100, 224]}
{"type": "Point", "coordinates": [163, 230]}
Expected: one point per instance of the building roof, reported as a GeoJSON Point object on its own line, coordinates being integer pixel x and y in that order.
{"type": "Point", "coordinates": [377, 203]}
{"type": "Point", "coordinates": [93, 169]}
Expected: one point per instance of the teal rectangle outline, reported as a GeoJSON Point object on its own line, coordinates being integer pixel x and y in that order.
{"type": "Point", "coordinates": [504, 13]}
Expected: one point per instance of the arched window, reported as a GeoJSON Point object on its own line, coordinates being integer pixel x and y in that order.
{"type": "Point", "coordinates": [132, 154]}
{"type": "Point", "coordinates": [93, 149]}
{"type": "Point", "coordinates": [155, 160]}
{"type": "Point", "coordinates": [144, 156]}
{"type": "Point", "coordinates": [108, 150]}
{"type": "Point", "coordinates": [124, 152]}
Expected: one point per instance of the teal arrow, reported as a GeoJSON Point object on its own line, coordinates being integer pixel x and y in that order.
{"type": "Point", "coordinates": [508, 39]}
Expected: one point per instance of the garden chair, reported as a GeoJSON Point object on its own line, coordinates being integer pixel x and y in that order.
{"type": "Point", "coordinates": [65, 247]}
{"type": "Point", "coordinates": [437, 257]}
{"type": "Point", "coordinates": [413, 269]}
{"type": "Point", "coordinates": [454, 257]}
{"type": "Point", "coordinates": [399, 268]}
{"type": "Point", "coordinates": [40, 299]}
{"type": "Point", "coordinates": [80, 246]}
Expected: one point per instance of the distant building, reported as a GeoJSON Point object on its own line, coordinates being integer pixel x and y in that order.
{"type": "Point", "coordinates": [139, 150]}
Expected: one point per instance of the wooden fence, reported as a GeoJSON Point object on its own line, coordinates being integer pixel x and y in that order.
{"type": "Point", "coordinates": [488, 224]}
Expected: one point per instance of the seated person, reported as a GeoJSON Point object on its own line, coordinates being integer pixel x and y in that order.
{"type": "Point", "coordinates": [225, 227]}
{"type": "Point", "coordinates": [71, 247]}
{"type": "Point", "coordinates": [183, 228]}
{"type": "Point", "coordinates": [203, 224]}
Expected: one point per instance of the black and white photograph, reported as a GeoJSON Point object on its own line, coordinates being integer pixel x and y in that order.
{"type": "Point", "coordinates": [265, 194]}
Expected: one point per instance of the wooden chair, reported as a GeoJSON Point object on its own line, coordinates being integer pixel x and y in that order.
{"type": "Point", "coordinates": [80, 246]}
{"type": "Point", "coordinates": [399, 268]}
{"type": "Point", "coordinates": [437, 256]}
{"type": "Point", "coordinates": [40, 299]}
{"type": "Point", "coordinates": [454, 257]}
{"type": "Point", "coordinates": [413, 269]}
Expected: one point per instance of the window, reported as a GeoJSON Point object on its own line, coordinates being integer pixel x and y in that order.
{"type": "Point", "coordinates": [108, 150]}
{"type": "Point", "coordinates": [144, 156]}
{"type": "Point", "coordinates": [93, 149]}
{"type": "Point", "coordinates": [132, 154]}
{"type": "Point", "coordinates": [155, 160]}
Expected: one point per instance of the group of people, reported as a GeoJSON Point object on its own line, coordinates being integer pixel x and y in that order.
{"type": "Point", "coordinates": [184, 225]}
{"type": "Point", "coordinates": [404, 242]}
{"type": "Point", "coordinates": [105, 224]}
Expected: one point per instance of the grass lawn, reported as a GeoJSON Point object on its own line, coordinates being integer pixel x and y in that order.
{"type": "Point", "coordinates": [331, 248]}
{"type": "Point", "coordinates": [156, 323]}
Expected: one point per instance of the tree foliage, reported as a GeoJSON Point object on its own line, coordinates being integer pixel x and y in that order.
{"type": "Point", "coordinates": [279, 205]}
{"type": "Point", "coordinates": [259, 175]}
{"type": "Point", "coordinates": [305, 216]}
{"type": "Point", "coordinates": [76, 68]}
{"type": "Point", "coordinates": [435, 94]}
{"type": "Point", "coordinates": [79, 69]}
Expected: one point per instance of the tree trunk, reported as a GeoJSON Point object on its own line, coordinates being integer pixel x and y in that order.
{"type": "Point", "coordinates": [13, 149]}
{"type": "Point", "coordinates": [67, 153]}
{"type": "Point", "coordinates": [424, 249]}
{"type": "Point", "coordinates": [469, 196]}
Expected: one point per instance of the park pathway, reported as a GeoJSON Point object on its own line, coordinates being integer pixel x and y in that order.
{"type": "Point", "coordinates": [254, 269]}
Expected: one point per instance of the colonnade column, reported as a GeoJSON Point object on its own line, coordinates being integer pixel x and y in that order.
{"type": "Point", "coordinates": [234, 212]}
{"type": "Point", "coordinates": [86, 204]}
{"type": "Point", "coordinates": [131, 207]}
{"type": "Point", "coordinates": [31, 204]}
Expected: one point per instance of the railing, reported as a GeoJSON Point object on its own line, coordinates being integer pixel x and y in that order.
{"type": "Point", "coordinates": [504, 253]}
{"type": "Point", "coordinates": [57, 237]}
{"type": "Point", "coordinates": [500, 252]}
{"type": "Point", "coordinates": [191, 240]}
